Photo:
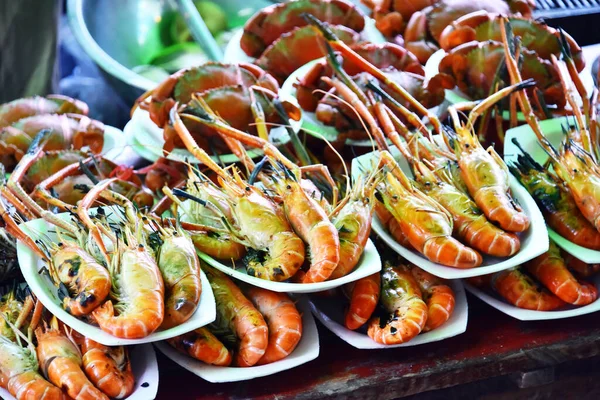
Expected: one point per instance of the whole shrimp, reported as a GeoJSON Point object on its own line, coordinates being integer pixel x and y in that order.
{"type": "Point", "coordinates": [19, 373]}
{"type": "Point", "coordinates": [61, 362]}
{"type": "Point", "coordinates": [19, 367]}
{"type": "Point", "coordinates": [485, 173]}
{"type": "Point", "coordinates": [470, 224]}
{"type": "Point", "coordinates": [305, 214]}
{"type": "Point", "coordinates": [312, 224]}
{"type": "Point", "coordinates": [426, 224]}
{"type": "Point", "coordinates": [203, 345]}
{"type": "Point", "coordinates": [364, 296]}
{"type": "Point", "coordinates": [401, 299]}
{"type": "Point", "coordinates": [550, 269]}
{"type": "Point", "coordinates": [556, 202]}
{"type": "Point", "coordinates": [138, 286]}
{"type": "Point", "coordinates": [236, 314]}
{"type": "Point", "coordinates": [257, 222]}
{"type": "Point", "coordinates": [283, 319]}
{"type": "Point", "coordinates": [353, 222]}
{"type": "Point", "coordinates": [180, 269]}
{"type": "Point", "coordinates": [108, 368]}
{"type": "Point", "coordinates": [521, 291]}
{"type": "Point", "coordinates": [438, 296]}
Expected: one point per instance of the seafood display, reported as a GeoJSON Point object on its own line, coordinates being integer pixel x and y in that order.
{"type": "Point", "coordinates": [573, 179]}
{"type": "Point", "coordinates": [549, 282]}
{"type": "Point", "coordinates": [212, 259]}
{"type": "Point", "coordinates": [391, 307]}
{"type": "Point", "coordinates": [42, 358]}
{"type": "Point", "coordinates": [254, 326]}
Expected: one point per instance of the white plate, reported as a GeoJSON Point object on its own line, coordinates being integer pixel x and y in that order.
{"type": "Point", "coordinates": [533, 242]}
{"type": "Point", "coordinates": [494, 300]}
{"type": "Point", "coordinates": [331, 314]}
{"type": "Point", "coordinates": [145, 371]}
{"type": "Point", "coordinates": [307, 350]}
{"type": "Point", "coordinates": [147, 141]}
{"type": "Point", "coordinates": [369, 264]}
{"type": "Point", "coordinates": [45, 291]}
{"type": "Point", "coordinates": [527, 139]}
{"type": "Point", "coordinates": [455, 96]}
{"type": "Point", "coordinates": [234, 53]}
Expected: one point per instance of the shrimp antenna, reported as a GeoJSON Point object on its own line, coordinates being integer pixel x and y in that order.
{"type": "Point", "coordinates": [259, 166]}
{"type": "Point", "coordinates": [181, 193]}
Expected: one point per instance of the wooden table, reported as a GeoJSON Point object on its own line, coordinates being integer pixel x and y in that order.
{"type": "Point", "coordinates": [494, 345]}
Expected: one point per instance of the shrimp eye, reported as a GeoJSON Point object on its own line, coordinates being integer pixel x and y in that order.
{"type": "Point", "coordinates": [575, 170]}
{"type": "Point", "coordinates": [289, 187]}
{"type": "Point", "coordinates": [395, 197]}
{"type": "Point", "coordinates": [248, 188]}
{"type": "Point", "coordinates": [140, 247]}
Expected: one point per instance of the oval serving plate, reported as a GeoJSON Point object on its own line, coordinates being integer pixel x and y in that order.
{"type": "Point", "coordinates": [41, 285]}
{"type": "Point", "coordinates": [494, 300]}
{"type": "Point", "coordinates": [552, 129]}
{"type": "Point", "coordinates": [145, 371]}
{"type": "Point", "coordinates": [331, 314]}
{"type": "Point", "coordinates": [307, 350]}
{"type": "Point", "coordinates": [146, 139]}
{"type": "Point", "coordinates": [368, 264]}
{"type": "Point", "coordinates": [533, 242]}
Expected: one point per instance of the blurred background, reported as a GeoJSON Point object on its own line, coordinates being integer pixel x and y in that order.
{"type": "Point", "coordinates": [108, 52]}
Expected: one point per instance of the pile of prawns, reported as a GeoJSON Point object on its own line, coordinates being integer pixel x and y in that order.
{"type": "Point", "coordinates": [459, 204]}
{"type": "Point", "coordinates": [146, 278]}
{"type": "Point", "coordinates": [41, 358]}
{"type": "Point", "coordinates": [566, 190]}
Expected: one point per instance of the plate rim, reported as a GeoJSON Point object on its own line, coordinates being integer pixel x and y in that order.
{"type": "Point", "coordinates": [288, 287]}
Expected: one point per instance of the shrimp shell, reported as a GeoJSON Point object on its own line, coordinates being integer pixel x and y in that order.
{"type": "Point", "coordinates": [521, 291]}
{"type": "Point", "coordinates": [550, 269]}
{"type": "Point", "coordinates": [240, 316]}
{"type": "Point", "coordinates": [204, 346]}
{"type": "Point", "coordinates": [141, 291]}
{"type": "Point", "coordinates": [283, 319]}
{"type": "Point", "coordinates": [180, 269]}
{"type": "Point", "coordinates": [401, 298]}
{"type": "Point", "coordinates": [61, 361]}
{"type": "Point", "coordinates": [108, 368]}
{"type": "Point", "coordinates": [438, 296]}
{"type": "Point", "coordinates": [363, 300]}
